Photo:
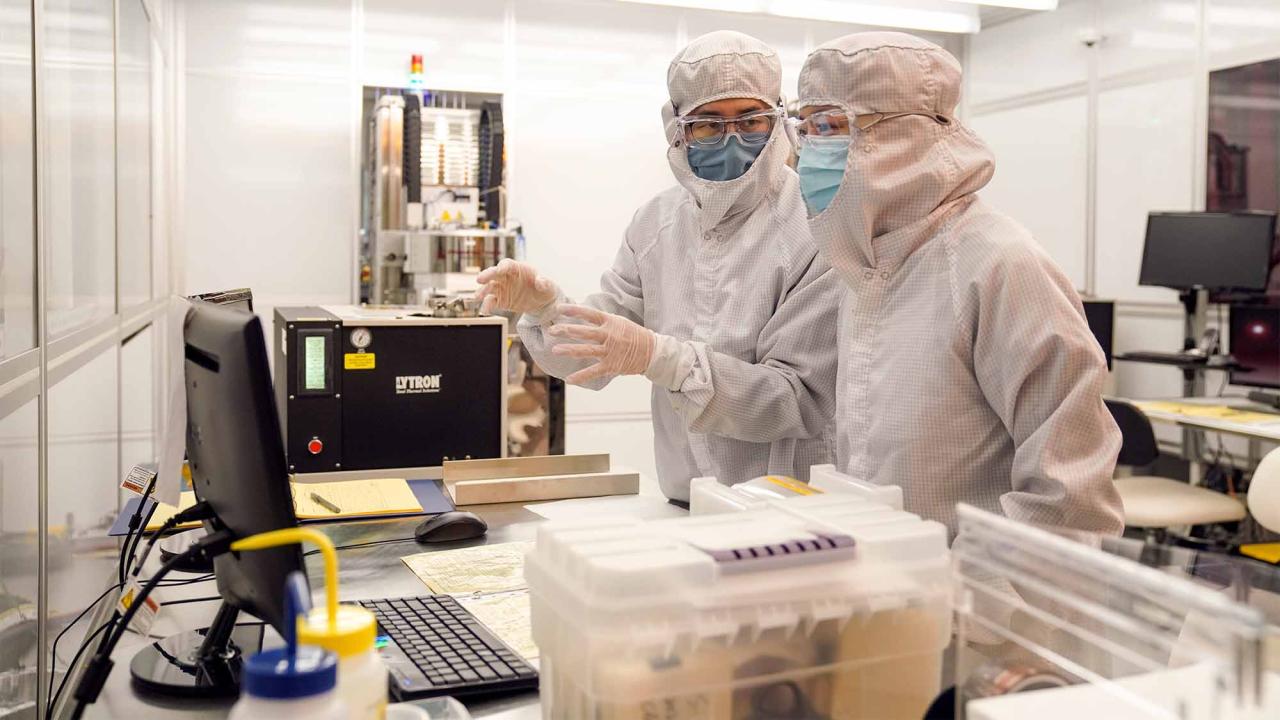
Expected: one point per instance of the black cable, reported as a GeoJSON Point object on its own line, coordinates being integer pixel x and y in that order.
{"type": "Point", "coordinates": [89, 639]}
{"type": "Point", "coordinates": [54, 650]}
{"type": "Point", "coordinates": [185, 601]}
{"type": "Point", "coordinates": [136, 525]}
{"type": "Point", "coordinates": [99, 668]}
{"type": "Point", "coordinates": [363, 544]}
{"type": "Point", "coordinates": [187, 581]}
{"type": "Point", "coordinates": [53, 700]}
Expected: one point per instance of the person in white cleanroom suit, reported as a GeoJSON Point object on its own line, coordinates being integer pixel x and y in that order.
{"type": "Point", "coordinates": [967, 370]}
{"type": "Point", "coordinates": [717, 294]}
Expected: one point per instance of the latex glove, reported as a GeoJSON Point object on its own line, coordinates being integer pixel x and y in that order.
{"type": "Point", "coordinates": [514, 286]}
{"type": "Point", "coordinates": [620, 346]}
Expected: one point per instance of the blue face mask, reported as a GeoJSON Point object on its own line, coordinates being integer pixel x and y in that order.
{"type": "Point", "coordinates": [729, 160]}
{"type": "Point", "coordinates": [821, 169]}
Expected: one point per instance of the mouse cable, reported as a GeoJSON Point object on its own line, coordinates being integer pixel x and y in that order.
{"type": "Point", "coordinates": [353, 546]}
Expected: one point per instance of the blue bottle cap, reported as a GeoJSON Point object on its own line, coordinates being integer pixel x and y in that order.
{"type": "Point", "coordinates": [279, 674]}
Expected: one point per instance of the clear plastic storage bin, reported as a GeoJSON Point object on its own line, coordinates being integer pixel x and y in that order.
{"type": "Point", "coordinates": [1050, 628]}
{"type": "Point", "coordinates": [708, 496]}
{"type": "Point", "coordinates": [794, 610]}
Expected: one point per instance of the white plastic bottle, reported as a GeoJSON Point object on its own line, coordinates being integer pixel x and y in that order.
{"type": "Point", "coordinates": [362, 677]}
{"type": "Point", "coordinates": [281, 684]}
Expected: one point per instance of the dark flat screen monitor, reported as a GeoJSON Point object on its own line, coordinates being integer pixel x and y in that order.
{"type": "Point", "coordinates": [1101, 315]}
{"type": "Point", "coordinates": [237, 453]}
{"type": "Point", "coordinates": [1255, 345]}
{"type": "Point", "coordinates": [239, 298]}
{"type": "Point", "coordinates": [1216, 251]}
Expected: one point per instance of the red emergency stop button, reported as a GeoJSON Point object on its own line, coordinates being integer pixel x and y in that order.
{"type": "Point", "coordinates": [315, 447]}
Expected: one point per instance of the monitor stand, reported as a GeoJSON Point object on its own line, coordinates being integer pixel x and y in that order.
{"type": "Point", "coordinates": [202, 663]}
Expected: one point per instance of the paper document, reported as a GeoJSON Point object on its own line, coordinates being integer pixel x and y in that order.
{"type": "Point", "coordinates": [164, 511]}
{"type": "Point", "coordinates": [481, 569]}
{"type": "Point", "coordinates": [1214, 412]}
{"type": "Point", "coordinates": [355, 498]}
{"type": "Point", "coordinates": [488, 581]}
{"type": "Point", "coordinates": [628, 507]}
{"type": "Point", "coordinates": [507, 616]}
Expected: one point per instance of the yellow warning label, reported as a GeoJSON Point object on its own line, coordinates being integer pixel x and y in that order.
{"type": "Point", "coordinates": [793, 485]}
{"type": "Point", "coordinates": [1266, 552]}
{"type": "Point", "coordinates": [358, 361]}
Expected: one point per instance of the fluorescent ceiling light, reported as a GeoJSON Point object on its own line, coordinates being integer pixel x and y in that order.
{"type": "Point", "coordinates": [1021, 4]}
{"type": "Point", "coordinates": [929, 15]}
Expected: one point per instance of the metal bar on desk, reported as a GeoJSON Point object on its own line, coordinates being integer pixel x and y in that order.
{"type": "Point", "coordinates": [537, 466]}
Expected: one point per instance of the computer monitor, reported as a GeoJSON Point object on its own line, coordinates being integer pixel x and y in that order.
{"type": "Point", "coordinates": [1215, 251]}
{"type": "Point", "coordinates": [1255, 345]}
{"type": "Point", "coordinates": [236, 454]}
{"type": "Point", "coordinates": [239, 298]}
{"type": "Point", "coordinates": [1101, 316]}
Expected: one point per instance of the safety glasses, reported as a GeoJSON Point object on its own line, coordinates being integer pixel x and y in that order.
{"type": "Point", "coordinates": [752, 128]}
{"type": "Point", "coordinates": [827, 125]}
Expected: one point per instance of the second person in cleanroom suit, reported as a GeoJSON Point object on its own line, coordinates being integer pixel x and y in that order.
{"type": "Point", "coordinates": [967, 370]}
{"type": "Point", "coordinates": [717, 294]}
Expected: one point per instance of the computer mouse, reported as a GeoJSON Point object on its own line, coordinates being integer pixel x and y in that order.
{"type": "Point", "coordinates": [450, 526]}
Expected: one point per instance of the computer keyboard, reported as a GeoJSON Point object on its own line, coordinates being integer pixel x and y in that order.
{"type": "Point", "coordinates": [1170, 358]}
{"type": "Point", "coordinates": [438, 648]}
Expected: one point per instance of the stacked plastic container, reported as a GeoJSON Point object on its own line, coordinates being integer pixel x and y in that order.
{"type": "Point", "coordinates": [1052, 628]}
{"type": "Point", "coordinates": [804, 607]}
{"type": "Point", "coordinates": [708, 496]}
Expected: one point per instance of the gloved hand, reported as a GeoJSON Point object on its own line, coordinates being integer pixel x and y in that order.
{"type": "Point", "coordinates": [514, 286]}
{"type": "Point", "coordinates": [620, 346]}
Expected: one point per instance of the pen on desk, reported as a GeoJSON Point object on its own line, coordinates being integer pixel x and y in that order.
{"type": "Point", "coordinates": [325, 503]}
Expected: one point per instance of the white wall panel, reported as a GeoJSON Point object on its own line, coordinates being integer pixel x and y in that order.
{"type": "Point", "coordinates": [19, 481]}
{"type": "Point", "coordinates": [133, 153]}
{"type": "Point", "coordinates": [78, 176]}
{"type": "Point", "coordinates": [1237, 27]}
{"type": "Point", "coordinates": [139, 387]}
{"type": "Point", "coordinates": [276, 37]}
{"type": "Point", "coordinates": [83, 443]}
{"type": "Point", "coordinates": [17, 196]}
{"type": "Point", "coordinates": [1141, 34]}
{"type": "Point", "coordinates": [1144, 163]}
{"type": "Point", "coordinates": [1032, 54]}
{"type": "Point", "coordinates": [461, 44]}
{"type": "Point", "coordinates": [1040, 180]}
{"type": "Point", "coordinates": [270, 191]}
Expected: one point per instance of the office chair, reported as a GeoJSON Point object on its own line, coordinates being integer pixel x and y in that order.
{"type": "Point", "coordinates": [1264, 492]}
{"type": "Point", "coordinates": [1156, 504]}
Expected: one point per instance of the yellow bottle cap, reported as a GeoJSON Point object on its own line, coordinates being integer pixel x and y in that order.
{"type": "Point", "coordinates": [353, 633]}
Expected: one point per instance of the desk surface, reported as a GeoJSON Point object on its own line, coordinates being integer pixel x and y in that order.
{"type": "Point", "coordinates": [1267, 431]}
{"type": "Point", "coordinates": [366, 572]}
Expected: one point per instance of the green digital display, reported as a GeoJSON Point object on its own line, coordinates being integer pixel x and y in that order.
{"type": "Point", "coordinates": [313, 359]}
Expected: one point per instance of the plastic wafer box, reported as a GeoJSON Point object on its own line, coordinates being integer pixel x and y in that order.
{"type": "Point", "coordinates": [799, 609]}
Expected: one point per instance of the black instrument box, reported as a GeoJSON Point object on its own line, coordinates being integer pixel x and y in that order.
{"type": "Point", "coordinates": [362, 389]}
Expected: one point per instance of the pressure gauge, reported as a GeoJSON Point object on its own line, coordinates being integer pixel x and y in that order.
{"type": "Point", "coordinates": [361, 337]}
